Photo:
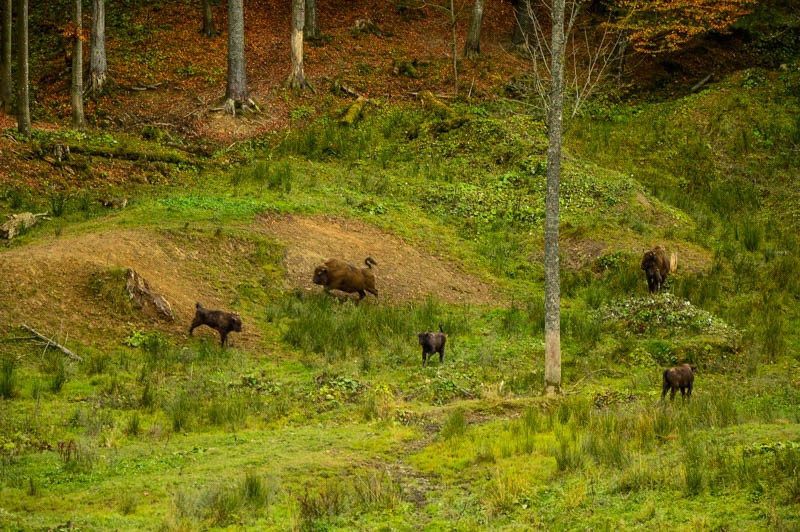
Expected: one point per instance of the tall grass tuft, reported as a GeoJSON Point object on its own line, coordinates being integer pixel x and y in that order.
{"type": "Point", "coordinates": [181, 411]}
{"type": "Point", "coordinates": [694, 466]}
{"type": "Point", "coordinates": [455, 426]}
{"type": "Point", "coordinates": [568, 448]}
{"type": "Point", "coordinates": [54, 365]}
{"type": "Point", "coordinates": [329, 500]}
{"type": "Point", "coordinates": [376, 490]}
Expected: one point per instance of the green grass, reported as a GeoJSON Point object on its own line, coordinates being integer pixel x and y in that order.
{"type": "Point", "coordinates": [331, 423]}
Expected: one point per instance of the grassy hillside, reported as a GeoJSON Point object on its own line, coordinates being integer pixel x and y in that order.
{"type": "Point", "coordinates": [320, 416]}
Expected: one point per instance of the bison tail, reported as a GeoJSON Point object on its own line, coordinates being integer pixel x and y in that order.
{"type": "Point", "coordinates": [369, 261]}
{"type": "Point", "coordinates": [673, 262]}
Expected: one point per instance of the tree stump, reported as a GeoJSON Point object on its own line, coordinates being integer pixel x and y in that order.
{"type": "Point", "coordinates": [145, 299]}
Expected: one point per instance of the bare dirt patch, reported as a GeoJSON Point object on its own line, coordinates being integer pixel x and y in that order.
{"type": "Point", "coordinates": [403, 273]}
{"type": "Point", "coordinates": [47, 284]}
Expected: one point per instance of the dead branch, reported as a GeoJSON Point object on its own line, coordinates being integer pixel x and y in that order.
{"type": "Point", "coordinates": [52, 342]}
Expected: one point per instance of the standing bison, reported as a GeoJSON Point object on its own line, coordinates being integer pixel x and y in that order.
{"type": "Point", "coordinates": [678, 378]}
{"type": "Point", "coordinates": [432, 342]}
{"type": "Point", "coordinates": [657, 267]}
{"type": "Point", "coordinates": [335, 274]}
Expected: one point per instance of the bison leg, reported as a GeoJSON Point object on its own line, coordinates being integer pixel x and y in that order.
{"type": "Point", "coordinates": [441, 355]}
{"type": "Point", "coordinates": [672, 391]}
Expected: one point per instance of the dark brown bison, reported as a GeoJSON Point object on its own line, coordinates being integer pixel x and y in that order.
{"type": "Point", "coordinates": [223, 322]}
{"type": "Point", "coordinates": [432, 342]}
{"type": "Point", "coordinates": [335, 274]}
{"type": "Point", "coordinates": [657, 267]}
{"type": "Point", "coordinates": [679, 377]}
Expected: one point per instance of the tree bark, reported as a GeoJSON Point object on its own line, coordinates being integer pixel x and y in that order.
{"type": "Point", "coordinates": [473, 46]}
{"type": "Point", "coordinates": [297, 78]}
{"type": "Point", "coordinates": [209, 28]}
{"type": "Point", "coordinates": [311, 28]}
{"type": "Point", "coordinates": [236, 94]}
{"type": "Point", "coordinates": [98, 64]}
{"type": "Point", "coordinates": [6, 80]}
{"type": "Point", "coordinates": [552, 325]}
{"type": "Point", "coordinates": [23, 94]}
{"type": "Point", "coordinates": [76, 91]}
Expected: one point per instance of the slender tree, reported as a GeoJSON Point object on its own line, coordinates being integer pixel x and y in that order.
{"type": "Point", "coordinates": [473, 46]}
{"type": "Point", "coordinates": [76, 91]}
{"type": "Point", "coordinates": [297, 78]}
{"type": "Point", "coordinates": [23, 95]}
{"type": "Point", "coordinates": [98, 65]}
{"type": "Point", "coordinates": [209, 28]}
{"type": "Point", "coordinates": [552, 278]}
{"type": "Point", "coordinates": [236, 94]}
{"type": "Point", "coordinates": [548, 46]}
{"type": "Point", "coordinates": [311, 28]}
{"type": "Point", "coordinates": [6, 80]}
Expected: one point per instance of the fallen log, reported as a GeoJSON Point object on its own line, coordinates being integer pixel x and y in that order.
{"type": "Point", "coordinates": [144, 298]}
{"type": "Point", "coordinates": [17, 223]}
{"type": "Point", "coordinates": [50, 341]}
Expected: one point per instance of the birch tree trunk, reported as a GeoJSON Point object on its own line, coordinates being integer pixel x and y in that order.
{"type": "Point", "coordinates": [552, 281]}
{"type": "Point", "coordinates": [6, 80]}
{"type": "Point", "coordinates": [23, 95]}
{"type": "Point", "coordinates": [76, 91]}
{"type": "Point", "coordinates": [473, 47]}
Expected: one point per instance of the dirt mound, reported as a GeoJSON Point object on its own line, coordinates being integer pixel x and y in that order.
{"type": "Point", "coordinates": [403, 272]}
{"type": "Point", "coordinates": [48, 284]}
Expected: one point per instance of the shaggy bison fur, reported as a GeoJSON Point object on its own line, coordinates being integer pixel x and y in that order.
{"type": "Point", "coordinates": [657, 266]}
{"type": "Point", "coordinates": [432, 342]}
{"type": "Point", "coordinates": [223, 322]}
{"type": "Point", "coordinates": [335, 274]}
{"type": "Point", "coordinates": [679, 377]}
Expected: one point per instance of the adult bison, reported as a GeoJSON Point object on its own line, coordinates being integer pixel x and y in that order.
{"type": "Point", "coordinates": [657, 266]}
{"type": "Point", "coordinates": [335, 274]}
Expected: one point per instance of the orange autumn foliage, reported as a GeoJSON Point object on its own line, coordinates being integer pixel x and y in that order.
{"type": "Point", "coordinates": [659, 26]}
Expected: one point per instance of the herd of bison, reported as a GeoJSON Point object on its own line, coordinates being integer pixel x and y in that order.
{"type": "Point", "coordinates": [335, 274]}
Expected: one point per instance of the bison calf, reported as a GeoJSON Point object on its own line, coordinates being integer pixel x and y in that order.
{"type": "Point", "coordinates": [679, 377]}
{"type": "Point", "coordinates": [657, 267]}
{"type": "Point", "coordinates": [223, 322]}
{"type": "Point", "coordinates": [335, 274]}
{"type": "Point", "coordinates": [432, 342]}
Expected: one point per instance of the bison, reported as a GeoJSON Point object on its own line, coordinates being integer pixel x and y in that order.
{"type": "Point", "coordinates": [657, 267]}
{"type": "Point", "coordinates": [223, 322]}
{"type": "Point", "coordinates": [432, 342]}
{"type": "Point", "coordinates": [335, 274]}
{"type": "Point", "coordinates": [679, 377]}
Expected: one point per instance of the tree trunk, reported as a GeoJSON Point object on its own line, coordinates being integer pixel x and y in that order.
{"type": "Point", "coordinates": [552, 283]}
{"type": "Point", "coordinates": [297, 78]}
{"type": "Point", "coordinates": [311, 28]}
{"type": "Point", "coordinates": [23, 95]}
{"type": "Point", "coordinates": [6, 80]}
{"type": "Point", "coordinates": [236, 94]}
{"type": "Point", "coordinates": [209, 28]}
{"type": "Point", "coordinates": [76, 92]}
{"type": "Point", "coordinates": [523, 23]}
{"type": "Point", "coordinates": [454, 31]}
{"type": "Point", "coordinates": [98, 64]}
{"type": "Point", "coordinates": [473, 47]}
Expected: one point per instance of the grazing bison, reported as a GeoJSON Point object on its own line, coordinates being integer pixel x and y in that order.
{"type": "Point", "coordinates": [657, 267]}
{"type": "Point", "coordinates": [222, 321]}
{"type": "Point", "coordinates": [679, 377]}
{"type": "Point", "coordinates": [432, 342]}
{"type": "Point", "coordinates": [335, 274]}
